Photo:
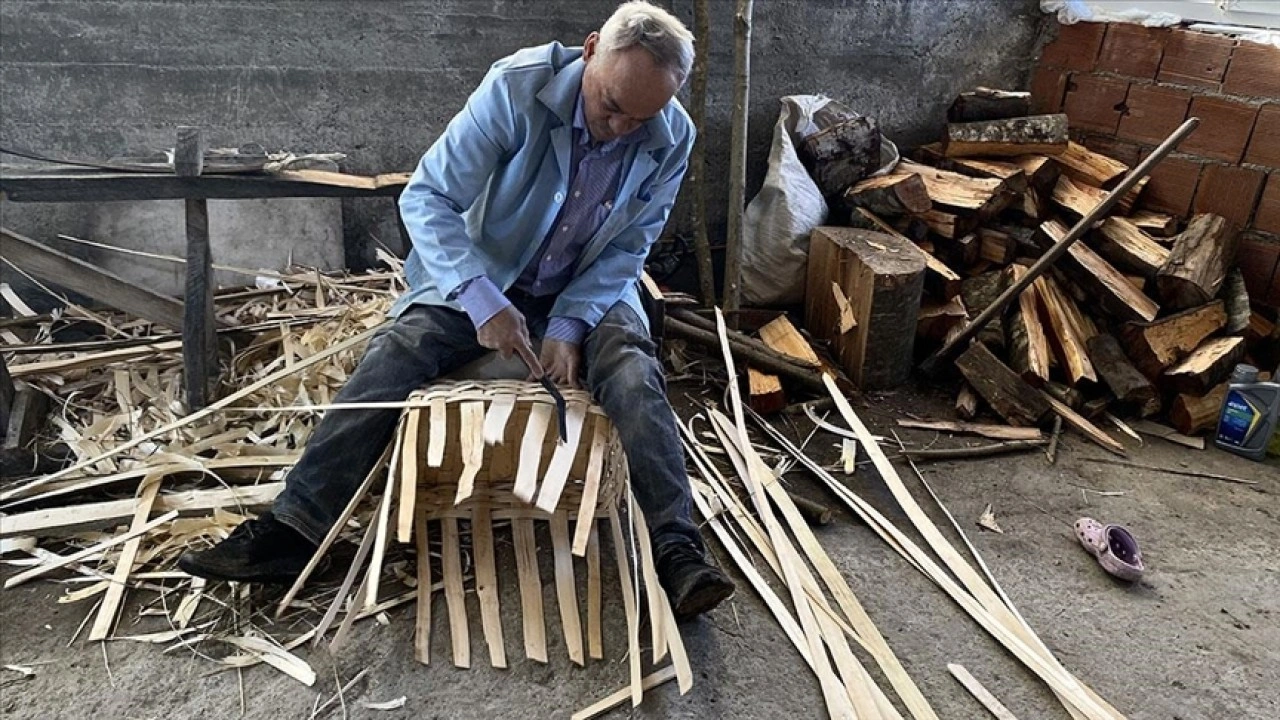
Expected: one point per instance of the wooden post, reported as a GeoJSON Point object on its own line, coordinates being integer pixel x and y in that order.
{"type": "Point", "coordinates": [738, 157]}
{"type": "Point", "coordinates": [698, 163]}
{"type": "Point", "coordinates": [199, 343]}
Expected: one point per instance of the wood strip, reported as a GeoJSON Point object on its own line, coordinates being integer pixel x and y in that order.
{"type": "Point", "coordinates": [591, 486]}
{"type": "Point", "coordinates": [357, 603]}
{"type": "Point", "coordinates": [566, 588]}
{"type": "Point", "coordinates": [535, 430]}
{"type": "Point", "coordinates": [381, 527]}
{"type": "Point", "coordinates": [487, 583]}
{"type": "Point", "coordinates": [362, 553]}
{"type": "Point", "coordinates": [471, 435]}
{"type": "Point", "coordinates": [229, 400]}
{"type": "Point", "coordinates": [654, 594]}
{"type": "Point", "coordinates": [65, 560]}
{"type": "Point", "coordinates": [980, 693]}
{"type": "Point", "coordinates": [630, 600]}
{"type": "Point", "coordinates": [535, 627]}
{"type": "Point", "coordinates": [562, 460]}
{"type": "Point", "coordinates": [438, 432]}
{"type": "Point", "coordinates": [495, 422]}
{"type": "Point", "coordinates": [595, 636]}
{"type": "Point", "coordinates": [406, 450]}
{"type": "Point", "coordinates": [997, 432]}
{"type": "Point", "coordinates": [1090, 430]}
{"type": "Point", "coordinates": [609, 702]}
{"type": "Point", "coordinates": [422, 616]}
{"type": "Point", "coordinates": [454, 595]}
{"type": "Point", "coordinates": [110, 605]}
{"type": "Point", "coordinates": [332, 536]}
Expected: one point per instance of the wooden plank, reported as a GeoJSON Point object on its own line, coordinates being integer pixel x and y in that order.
{"type": "Point", "coordinates": [455, 598]}
{"type": "Point", "coordinates": [407, 441]}
{"type": "Point", "coordinates": [1156, 345]}
{"type": "Point", "coordinates": [1199, 261]}
{"type": "Point", "coordinates": [381, 529]}
{"type": "Point", "coordinates": [1006, 393]}
{"type": "Point", "coordinates": [83, 185]}
{"type": "Point", "coordinates": [535, 629]}
{"type": "Point", "coordinates": [110, 606]}
{"type": "Point", "coordinates": [566, 588]}
{"type": "Point", "coordinates": [980, 693]}
{"type": "Point", "coordinates": [78, 362]}
{"type": "Point", "coordinates": [487, 583]}
{"type": "Point", "coordinates": [1009, 137]}
{"type": "Point", "coordinates": [422, 614]}
{"type": "Point", "coordinates": [1208, 366]}
{"type": "Point", "coordinates": [996, 432]}
{"type": "Point", "coordinates": [1091, 431]}
{"type": "Point", "coordinates": [91, 280]}
{"type": "Point", "coordinates": [65, 560]}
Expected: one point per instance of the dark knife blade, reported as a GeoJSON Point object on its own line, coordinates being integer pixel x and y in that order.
{"type": "Point", "coordinates": [561, 409]}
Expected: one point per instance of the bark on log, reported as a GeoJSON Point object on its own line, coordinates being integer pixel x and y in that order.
{"type": "Point", "coordinates": [1198, 262]}
{"type": "Point", "coordinates": [842, 155]}
{"type": "Point", "coordinates": [989, 104]}
{"type": "Point", "coordinates": [980, 291]}
{"type": "Point", "coordinates": [1126, 383]}
{"type": "Point", "coordinates": [889, 195]}
{"type": "Point", "coordinates": [1037, 134]}
{"type": "Point", "coordinates": [1235, 297]}
{"type": "Point", "coordinates": [1012, 399]}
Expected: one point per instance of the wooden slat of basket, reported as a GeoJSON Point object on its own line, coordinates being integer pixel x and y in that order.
{"type": "Point", "coordinates": [495, 422]}
{"type": "Point", "coordinates": [630, 598]}
{"type": "Point", "coordinates": [380, 528]}
{"type": "Point", "coordinates": [590, 489]}
{"type": "Point", "coordinates": [595, 641]}
{"type": "Point", "coordinates": [653, 590]}
{"type": "Point", "coordinates": [439, 432]}
{"type": "Point", "coordinates": [422, 625]}
{"type": "Point", "coordinates": [471, 435]}
{"type": "Point", "coordinates": [454, 596]}
{"type": "Point", "coordinates": [562, 460]}
{"type": "Point", "coordinates": [487, 584]}
{"type": "Point", "coordinates": [566, 588]}
{"type": "Point", "coordinates": [535, 630]}
{"type": "Point", "coordinates": [406, 450]}
{"type": "Point", "coordinates": [531, 451]}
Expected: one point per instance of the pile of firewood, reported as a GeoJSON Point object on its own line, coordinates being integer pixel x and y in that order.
{"type": "Point", "coordinates": [1146, 316]}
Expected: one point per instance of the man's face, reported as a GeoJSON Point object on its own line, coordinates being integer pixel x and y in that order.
{"type": "Point", "coordinates": [622, 89]}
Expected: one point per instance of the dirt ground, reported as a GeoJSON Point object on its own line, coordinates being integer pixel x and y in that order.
{"type": "Point", "coordinates": [1199, 638]}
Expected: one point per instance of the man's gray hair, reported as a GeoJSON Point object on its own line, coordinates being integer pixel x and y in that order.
{"type": "Point", "coordinates": [637, 23]}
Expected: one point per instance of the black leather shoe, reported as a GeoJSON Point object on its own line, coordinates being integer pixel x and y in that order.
{"type": "Point", "coordinates": [693, 585]}
{"type": "Point", "coordinates": [262, 550]}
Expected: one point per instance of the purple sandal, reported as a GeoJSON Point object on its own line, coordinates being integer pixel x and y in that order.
{"type": "Point", "coordinates": [1115, 548]}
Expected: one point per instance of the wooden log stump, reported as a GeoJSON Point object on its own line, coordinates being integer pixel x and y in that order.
{"type": "Point", "coordinates": [1192, 414]}
{"type": "Point", "coordinates": [882, 276]}
{"type": "Point", "coordinates": [1126, 383]}
{"type": "Point", "coordinates": [1012, 399]}
{"type": "Point", "coordinates": [1198, 262]}
{"type": "Point", "coordinates": [940, 280]}
{"type": "Point", "coordinates": [1034, 135]}
{"type": "Point", "coordinates": [889, 195]}
{"type": "Point", "coordinates": [1156, 345]}
{"type": "Point", "coordinates": [1206, 367]}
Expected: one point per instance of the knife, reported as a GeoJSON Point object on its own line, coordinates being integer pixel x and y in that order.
{"type": "Point", "coordinates": [561, 410]}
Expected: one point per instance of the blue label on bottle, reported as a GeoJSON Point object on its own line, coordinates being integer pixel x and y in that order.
{"type": "Point", "coordinates": [1238, 420]}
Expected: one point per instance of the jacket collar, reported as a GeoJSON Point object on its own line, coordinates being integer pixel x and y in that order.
{"type": "Point", "coordinates": [560, 95]}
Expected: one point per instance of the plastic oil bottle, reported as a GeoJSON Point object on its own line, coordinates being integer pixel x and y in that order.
{"type": "Point", "coordinates": [1249, 414]}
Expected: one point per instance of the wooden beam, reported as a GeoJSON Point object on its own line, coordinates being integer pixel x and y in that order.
{"type": "Point", "coordinates": [1156, 345]}
{"type": "Point", "coordinates": [1037, 134]}
{"type": "Point", "coordinates": [1012, 399]}
{"type": "Point", "coordinates": [90, 280]}
{"type": "Point", "coordinates": [1198, 262]}
{"type": "Point", "coordinates": [199, 341]}
{"type": "Point", "coordinates": [81, 185]}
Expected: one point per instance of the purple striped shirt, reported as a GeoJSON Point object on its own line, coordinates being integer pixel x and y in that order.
{"type": "Point", "coordinates": [594, 172]}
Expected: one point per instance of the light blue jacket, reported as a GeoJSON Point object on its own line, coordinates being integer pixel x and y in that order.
{"type": "Point", "coordinates": [488, 190]}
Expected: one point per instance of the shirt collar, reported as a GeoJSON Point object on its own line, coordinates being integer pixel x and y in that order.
{"type": "Point", "coordinates": [640, 134]}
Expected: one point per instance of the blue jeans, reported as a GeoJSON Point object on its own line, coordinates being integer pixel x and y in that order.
{"type": "Point", "coordinates": [428, 341]}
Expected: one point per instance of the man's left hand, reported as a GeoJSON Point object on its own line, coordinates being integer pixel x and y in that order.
{"type": "Point", "coordinates": [560, 361]}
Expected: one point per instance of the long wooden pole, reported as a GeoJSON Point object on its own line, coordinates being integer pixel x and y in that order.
{"type": "Point", "coordinates": [698, 101]}
{"type": "Point", "coordinates": [738, 157]}
{"type": "Point", "coordinates": [930, 366]}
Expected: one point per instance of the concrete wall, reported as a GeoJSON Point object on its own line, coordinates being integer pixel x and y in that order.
{"type": "Point", "coordinates": [379, 80]}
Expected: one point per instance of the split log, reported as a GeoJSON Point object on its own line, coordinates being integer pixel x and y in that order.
{"type": "Point", "coordinates": [1156, 345]}
{"type": "Point", "coordinates": [1041, 171]}
{"type": "Point", "coordinates": [940, 280]}
{"type": "Point", "coordinates": [1207, 366]}
{"type": "Point", "coordinates": [989, 104]}
{"type": "Point", "coordinates": [962, 251]}
{"type": "Point", "coordinates": [1014, 177]}
{"type": "Point", "coordinates": [780, 335]}
{"type": "Point", "coordinates": [1086, 166]}
{"type": "Point", "coordinates": [947, 225]}
{"type": "Point", "coordinates": [1012, 399]}
{"type": "Point", "coordinates": [980, 291]}
{"type": "Point", "coordinates": [1029, 352]}
{"type": "Point", "coordinates": [938, 319]}
{"type": "Point", "coordinates": [1037, 134]}
{"type": "Point", "coordinates": [997, 246]}
{"type": "Point", "coordinates": [1198, 262]}
{"type": "Point", "coordinates": [953, 192]}
{"type": "Point", "coordinates": [1192, 414]}
{"type": "Point", "coordinates": [966, 402]}
{"type": "Point", "coordinates": [1080, 199]}
{"type": "Point", "coordinates": [1128, 385]}
{"type": "Point", "coordinates": [843, 154]}
{"type": "Point", "coordinates": [883, 277]}
{"type": "Point", "coordinates": [1069, 331]}
{"type": "Point", "coordinates": [1259, 329]}
{"type": "Point", "coordinates": [1115, 294]}
{"type": "Point", "coordinates": [1128, 247]}
{"type": "Point", "coordinates": [889, 195]}
{"type": "Point", "coordinates": [1235, 298]}
{"type": "Point", "coordinates": [1158, 224]}
{"type": "Point", "coordinates": [766, 394]}
{"type": "Point", "coordinates": [1065, 394]}
{"type": "Point", "coordinates": [767, 360]}
{"type": "Point", "coordinates": [1090, 430]}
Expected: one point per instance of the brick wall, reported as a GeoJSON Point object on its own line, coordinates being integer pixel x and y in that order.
{"type": "Point", "coordinates": [1126, 87]}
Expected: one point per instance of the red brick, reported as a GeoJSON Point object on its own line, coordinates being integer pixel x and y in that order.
{"type": "Point", "coordinates": [1152, 112]}
{"type": "Point", "coordinates": [1172, 186]}
{"type": "Point", "coordinates": [1076, 46]}
{"type": "Point", "coordinates": [1267, 218]}
{"type": "Point", "coordinates": [1094, 103]}
{"type": "Point", "coordinates": [1229, 191]}
{"type": "Point", "coordinates": [1264, 146]}
{"type": "Point", "coordinates": [1127, 153]}
{"type": "Point", "coordinates": [1048, 85]}
{"type": "Point", "coordinates": [1224, 129]}
{"type": "Point", "coordinates": [1258, 258]}
{"type": "Point", "coordinates": [1195, 58]}
{"type": "Point", "coordinates": [1254, 70]}
{"type": "Point", "coordinates": [1132, 50]}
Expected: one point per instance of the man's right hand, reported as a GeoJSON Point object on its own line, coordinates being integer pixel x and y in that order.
{"type": "Point", "coordinates": [507, 333]}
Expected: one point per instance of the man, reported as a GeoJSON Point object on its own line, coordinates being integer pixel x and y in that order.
{"type": "Point", "coordinates": [532, 213]}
